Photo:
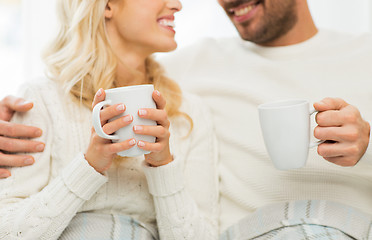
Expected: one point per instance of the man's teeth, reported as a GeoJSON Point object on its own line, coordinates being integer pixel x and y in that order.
{"type": "Point", "coordinates": [167, 23]}
{"type": "Point", "coordinates": [243, 11]}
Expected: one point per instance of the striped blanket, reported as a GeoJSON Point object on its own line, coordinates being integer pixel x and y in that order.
{"type": "Point", "coordinates": [307, 220]}
{"type": "Point", "coordinates": [95, 226]}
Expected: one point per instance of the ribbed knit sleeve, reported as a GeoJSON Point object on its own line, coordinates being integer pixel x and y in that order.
{"type": "Point", "coordinates": [32, 204]}
{"type": "Point", "coordinates": [186, 190]}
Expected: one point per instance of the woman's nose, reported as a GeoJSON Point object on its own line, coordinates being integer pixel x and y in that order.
{"type": "Point", "coordinates": [174, 5]}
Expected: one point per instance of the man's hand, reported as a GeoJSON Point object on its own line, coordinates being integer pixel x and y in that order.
{"type": "Point", "coordinates": [345, 132]}
{"type": "Point", "coordinates": [15, 137]}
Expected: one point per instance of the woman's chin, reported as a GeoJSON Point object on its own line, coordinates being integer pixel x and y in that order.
{"type": "Point", "coordinates": [168, 47]}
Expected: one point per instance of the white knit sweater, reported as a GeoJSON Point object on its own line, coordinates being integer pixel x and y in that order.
{"type": "Point", "coordinates": [234, 77]}
{"type": "Point", "coordinates": [38, 201]}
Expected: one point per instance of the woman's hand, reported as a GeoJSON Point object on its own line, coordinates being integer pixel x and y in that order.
{"type": "Point", "coordinates": [101, 152]}
{"type": "Point", "coordinates": [160, 154]}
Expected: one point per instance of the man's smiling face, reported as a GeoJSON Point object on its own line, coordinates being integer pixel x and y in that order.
{"type": "Point", "coordinates": [261, 21]}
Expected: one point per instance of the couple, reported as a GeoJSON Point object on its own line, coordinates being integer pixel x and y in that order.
{"type": "Point", "coordinates": [78, 188]}
{"type": "Point", "coordinates": [282, 55]}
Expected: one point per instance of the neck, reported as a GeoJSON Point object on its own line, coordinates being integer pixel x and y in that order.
{"type": "Point", "coordinates": [303, 30]}
{"type": "Point", "coordinates": [131, 70]}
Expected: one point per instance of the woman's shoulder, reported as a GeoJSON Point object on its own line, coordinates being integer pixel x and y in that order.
{"type": "Point", "coordinates": [41, 87]}
{"type": "Point", "coordinates": [48, 95]}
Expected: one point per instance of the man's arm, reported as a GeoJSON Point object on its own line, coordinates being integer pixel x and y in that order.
{"type": "Point", "coordinates": [15, 138]}
{"type": "Point", "coordinates": [344, 130]}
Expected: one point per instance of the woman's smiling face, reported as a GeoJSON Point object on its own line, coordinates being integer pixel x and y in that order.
{"type": "Point", "coordinates": [146, 25]}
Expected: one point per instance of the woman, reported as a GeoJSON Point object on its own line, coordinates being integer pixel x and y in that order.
{"type": "Point", "coordinates": [78, 187]}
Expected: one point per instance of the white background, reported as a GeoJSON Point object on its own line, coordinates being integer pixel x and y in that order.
{"type": "Point", "coordinates": [27, 25]}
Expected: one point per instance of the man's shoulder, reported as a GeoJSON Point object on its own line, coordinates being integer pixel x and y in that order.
{"type": "Point", "coordinates": [344, 38]}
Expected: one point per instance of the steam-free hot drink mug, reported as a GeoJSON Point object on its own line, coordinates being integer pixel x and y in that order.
{"type": "Point", "coordinates": [134, 97]}
{"type": "Point", "coordinates": [286, 130]}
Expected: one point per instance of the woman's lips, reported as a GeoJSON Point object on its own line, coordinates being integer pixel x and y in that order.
{"type": "Point", "coordinates": [167, 22]}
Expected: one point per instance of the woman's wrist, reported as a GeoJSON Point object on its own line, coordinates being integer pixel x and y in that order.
{"type": "Point", "coordinates": [159, 163]}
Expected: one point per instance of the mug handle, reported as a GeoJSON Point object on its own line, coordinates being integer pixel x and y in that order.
{"type": "Point", "coordinates": [97, 121]}
{"type": "Point", "coordinates": [314, 144]}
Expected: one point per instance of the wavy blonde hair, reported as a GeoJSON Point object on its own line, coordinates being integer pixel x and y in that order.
{"type": "Point", "coordinates": [81, 60]}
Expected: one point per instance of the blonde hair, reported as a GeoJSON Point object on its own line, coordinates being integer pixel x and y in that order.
{"type": "Point", "coordinates": [81, 59]}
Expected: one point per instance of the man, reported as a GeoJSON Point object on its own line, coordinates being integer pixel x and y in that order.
{"type": "Point", "coordinates": [282, 56]}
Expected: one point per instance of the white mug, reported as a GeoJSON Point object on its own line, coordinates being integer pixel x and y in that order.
{"type": "Point", "coordinates": [285, 127]}
{"type": "Point", "coordinates": [134, 98]}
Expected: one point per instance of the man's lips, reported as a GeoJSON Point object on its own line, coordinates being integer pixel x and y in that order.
{"type": "Point", "coordinates": [244, 11]}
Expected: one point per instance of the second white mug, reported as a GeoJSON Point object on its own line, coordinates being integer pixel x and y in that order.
{"type": "Point", "coordinates": [286, 130]}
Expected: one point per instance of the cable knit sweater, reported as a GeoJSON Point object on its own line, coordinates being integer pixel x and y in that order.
{"type": "Point", "coordinates": [39, 201]}
{"type": "Point", "coordinates": [235, 76]}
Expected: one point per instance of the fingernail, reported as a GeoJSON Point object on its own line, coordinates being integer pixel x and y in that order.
{"type": "Point", "coordinates": [99, 93]}
{"type": "Point", "coordinates": [120, 107]}
{"type": "Point", "coordinates": [28, 161]}
{"type": "Point", "coordinates": [141, 144]}
{"type": "Point", "coordinates": [128, 118]}
{"type": "Point", "coordinates": [4, 175]}
{"type": "Point", "coordinates": [38, 132]}
{"type": "Point", "coordinates": [40, 147]}
{"type": "Point", "coordinates": [132, 142]}
{"type": "Point", "coordinates": [138, 128]}
{"type": "Point", "coordinates": [142, 112]}
{"type": "Point", "coordinates": [157, 92]}
{"type": "Point", "coordinates": [322, 103]}
{"type": "Point", "coordinates": [24, 102]}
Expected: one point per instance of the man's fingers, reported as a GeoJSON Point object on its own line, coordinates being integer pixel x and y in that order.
{"type": "Point", "coordinates": [20, 145]}
{"type": "Point", "coordinates": [12, 160]}
{"type": "Point", "coordinates": [338, 134]}
{"type": "Point", "coordinates": [331, 150]}
{"type": "Point", "coordinates": [330, 104]}
{"type": "Point", "coordinates": [331, 118]}
{"type": "Point", "coordinates": [18, 130]}
{"type": "Point", "coordinates": [17, 104]}
{"type": "Point", "coordinates": [4, 173]}
{"type": "Point", "coordinates": [342, 161]}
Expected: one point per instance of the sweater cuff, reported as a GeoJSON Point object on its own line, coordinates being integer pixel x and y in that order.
{"type": "Point", "coordinates": [165, 180]}
{"type": "Point", "coordinates": [81, 178]}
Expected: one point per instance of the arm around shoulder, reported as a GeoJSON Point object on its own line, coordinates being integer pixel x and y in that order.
{"type": "Point", "coordinates": [33, 203]}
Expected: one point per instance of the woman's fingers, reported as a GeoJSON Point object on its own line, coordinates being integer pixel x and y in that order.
{"type": "Point", "coordinates": [158, 115]}
{"type": "Point", "coordinates": [159, 99]}
{"type": "Point", "coordinates": [157, 131]}
{"type": "Point", "coordinates": [99, 97]}
{"type": "Point", "coordinates": [121, 146]}
{"type": "Point", "coordinates": [115, 125]}
{"type": "Point", "coordinates": [111, 112]}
